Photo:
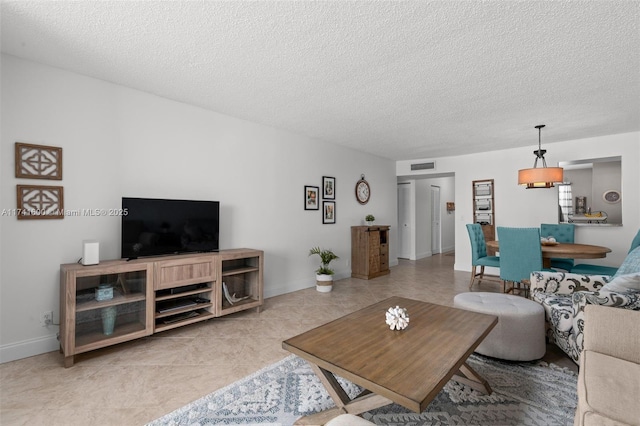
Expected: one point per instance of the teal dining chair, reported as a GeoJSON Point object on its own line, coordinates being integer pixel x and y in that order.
{"type": "Point", "coordinates": [589, 269]}
{"type": "Point", "coordinates": [563, 233]}
{"type": "Point", "coordinates": [479, 255]}
{"type": "Point", "coordinates": [520, 255]}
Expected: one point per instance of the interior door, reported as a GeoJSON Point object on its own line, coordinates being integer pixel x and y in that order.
{"type": "Point", "coordinates": [404, 221]}
{"type": "Point", "coordinates": [436, 229]}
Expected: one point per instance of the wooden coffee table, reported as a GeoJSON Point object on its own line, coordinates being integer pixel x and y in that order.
{"type": "Point", "coordinates": [408, 367]}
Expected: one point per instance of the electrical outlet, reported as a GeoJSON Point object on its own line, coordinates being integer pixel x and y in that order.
{"type": "Point", "coordinates": [46, 319]}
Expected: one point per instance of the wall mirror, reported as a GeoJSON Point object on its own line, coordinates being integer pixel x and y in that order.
{"type": "Point", "coordinates": [591, 194]}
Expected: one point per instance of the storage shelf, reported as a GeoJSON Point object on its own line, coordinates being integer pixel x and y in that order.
{"type": "Point", "coordinates": [240, 270]}
{"type": "Point", "coordinates": [119, 299]}
{"type": "Point", "coordinates": [486, 218]}
{"type": "Point", "coordinates": [182, 310]}
{"type": "Point", "coordinates": [203, 315]}
{"type": "Point", "coordinates": [186, 293]}
{"type": "Point", "coordinates": [94, 337]}
{"type": "Point", "coordinates": [228, 308]}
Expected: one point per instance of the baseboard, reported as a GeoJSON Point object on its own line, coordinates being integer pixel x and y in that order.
{"type": "Point", "coordinates": [448, 249]}
{"type": "Point", "coordinates": [290, 287]}
{"type": "Point", "coordinates": [27, 348]}
{"type": "Point", "coordinates": [423, 255]}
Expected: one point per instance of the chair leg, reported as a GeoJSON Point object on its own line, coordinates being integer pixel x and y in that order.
{"type": "Point", "coordinates": [526, 286]}
{"type": "Point", "coordinates": [510, 290]}
{"type": "Point", "coordinates": [473, 276]}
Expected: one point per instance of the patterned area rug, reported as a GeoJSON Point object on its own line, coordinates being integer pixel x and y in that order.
{"type": "Point", "coordinates": [533, 393]}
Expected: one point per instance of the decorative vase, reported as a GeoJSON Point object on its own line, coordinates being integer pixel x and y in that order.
{"type": "Point", "coordinates": [104, 292]}
{"type": "Point", "coordinates": [108, 319]}
{"type": "Point", "coordinates": [324, 283]}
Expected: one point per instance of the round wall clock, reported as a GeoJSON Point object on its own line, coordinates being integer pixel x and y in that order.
{"type": "Point", "coordinates": [611, 196]}
{"type": "Point", "coordinates": [363, 191]}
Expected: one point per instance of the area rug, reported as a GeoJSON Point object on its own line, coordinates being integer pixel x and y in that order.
{"type": "Point", "coordinates": [528, 393]}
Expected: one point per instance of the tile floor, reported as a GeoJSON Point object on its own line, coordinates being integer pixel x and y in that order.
{"type": "Point", "coordinates": [136, 382]}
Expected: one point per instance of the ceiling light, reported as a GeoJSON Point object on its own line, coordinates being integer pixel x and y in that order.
{"type": "Point", "coordinates": [540, 177]}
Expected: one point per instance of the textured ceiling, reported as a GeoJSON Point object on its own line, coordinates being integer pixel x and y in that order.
{"type": "Point", "coordinates": [398, 79]}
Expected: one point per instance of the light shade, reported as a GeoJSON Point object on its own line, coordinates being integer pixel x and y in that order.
{"type": "Point", "coordinates": [541, 177]}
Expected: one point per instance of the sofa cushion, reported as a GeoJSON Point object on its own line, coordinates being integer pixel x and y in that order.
{"type": "Point", "coordinates": [624, 283]}
{"type": "Point", "coordinates": [608, 388]}
{"type": "Point", "coordinates": [631, 263]}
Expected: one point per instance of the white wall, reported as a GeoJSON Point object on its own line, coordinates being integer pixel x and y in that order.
{"type": "Point", "coordinates": [121, 142]}
{"type": "Point", "coordinates": [516, 206]}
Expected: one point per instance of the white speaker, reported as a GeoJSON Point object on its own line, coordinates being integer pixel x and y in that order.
{"type": "Point", "coordinates": [90, 252]}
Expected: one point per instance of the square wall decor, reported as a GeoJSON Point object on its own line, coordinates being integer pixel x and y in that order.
{"type": "Point", "coordinates": [40, 202]}
{"type": "Point", "coordinates": [328, 212]}
{"type": "Point", "coordinates": [311, 197]}
{"type": "Point", "coordinates": [38, 161]}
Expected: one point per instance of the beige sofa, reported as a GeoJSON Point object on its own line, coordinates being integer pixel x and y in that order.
{"type": "Point", "coordinates": [609, 378]}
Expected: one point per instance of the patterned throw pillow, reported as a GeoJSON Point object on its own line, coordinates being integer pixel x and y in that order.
{"type": "Point", "coordinates": [624, 283]}
{"type": "Point", "coordinates": [631, 264]}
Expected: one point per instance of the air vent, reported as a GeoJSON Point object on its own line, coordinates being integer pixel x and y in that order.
{"type": "Point", "coordinates": [424, 166]}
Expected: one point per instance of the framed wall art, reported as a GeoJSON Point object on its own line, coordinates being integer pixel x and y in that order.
{"type": "Point", "coordinates": [311, 197]}
{"type": "Point", "coordinates": [328, 188]}
{"type": "Point", "coordinates": [40, 202]}
{"type": "Point", "coordinates": [329, 212]}
{"type": "Point", "coordinates": [38, 161]}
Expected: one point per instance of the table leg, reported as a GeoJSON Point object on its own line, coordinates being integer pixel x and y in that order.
{"type": "Point", "coordinates": [472, 379]}
{"type": "Point", "coordinates": [362, 403]}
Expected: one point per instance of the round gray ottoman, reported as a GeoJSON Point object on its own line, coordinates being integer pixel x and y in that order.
{"type": "Point", "coordinates": [519, 334]}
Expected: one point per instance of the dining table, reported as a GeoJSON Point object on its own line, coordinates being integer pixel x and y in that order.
{"type": "Point", "coordinates": [563, 251]}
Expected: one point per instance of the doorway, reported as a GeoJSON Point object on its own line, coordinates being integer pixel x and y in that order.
{"type": "Point", "coordinates": [436, 225]}
{"type": "Point", "coordinates": [405, 224]}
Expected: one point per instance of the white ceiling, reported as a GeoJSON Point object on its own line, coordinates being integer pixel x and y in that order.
{"type": "Point", "coordinates": [398, 79]}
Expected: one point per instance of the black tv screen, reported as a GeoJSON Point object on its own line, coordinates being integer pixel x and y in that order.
{"type": "Point", "coordinates": [152, 227]}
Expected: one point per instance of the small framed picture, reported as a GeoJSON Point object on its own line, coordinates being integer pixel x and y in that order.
{"type": "Point", "coordinates": [328, 188]}
{"type": "Point", "coordinates": [311, 197]}
{"type": "Point", "coordinates": [329, 212]}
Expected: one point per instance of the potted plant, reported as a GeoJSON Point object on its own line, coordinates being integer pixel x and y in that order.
{"type": "Point", "coordinates": [369, 219]}
{"type": "Point", "coordinates": [324, 274]}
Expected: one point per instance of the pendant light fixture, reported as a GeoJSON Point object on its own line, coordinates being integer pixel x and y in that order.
{"type": "Point", "coordinates": [540, 177]}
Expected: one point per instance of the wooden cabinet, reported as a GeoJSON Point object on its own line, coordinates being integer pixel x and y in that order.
{"type": "Point", "coordinates": [484, 209]}
{"type": "Point", "coordinates": [116, 301]}
{"type": "Point", "coordinates": [90, 320]}
{"type": "Point", "coordinates": [369, 251]}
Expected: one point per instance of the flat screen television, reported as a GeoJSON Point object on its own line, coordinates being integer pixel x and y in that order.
{"type": "Point", "coordinates": [153, 227]}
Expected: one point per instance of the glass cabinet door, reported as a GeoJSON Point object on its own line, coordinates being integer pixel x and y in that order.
{"type": "Point", "coordinates": [110, 306]}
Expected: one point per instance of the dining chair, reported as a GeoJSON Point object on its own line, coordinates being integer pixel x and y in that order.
{"type": "Point", "coordinates": [590, 269]}
{"type": "Point", "coordinates": [479, 255]}
{"type": "Point", "coordinates": [563, 233]}
{"type": "Point", "coordinates": [520, 255]}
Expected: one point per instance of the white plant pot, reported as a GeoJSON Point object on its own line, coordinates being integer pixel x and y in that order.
{"type": "Point", "coordinates": [324, 283]}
